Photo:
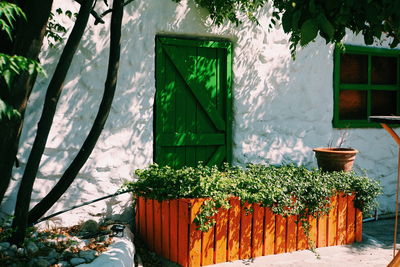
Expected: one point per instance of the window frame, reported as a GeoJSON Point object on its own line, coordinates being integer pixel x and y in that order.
{"type": "Point", "coordinates": [370, 52]}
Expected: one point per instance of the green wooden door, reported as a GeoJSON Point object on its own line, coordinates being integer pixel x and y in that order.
{"type": "Point", "coordinates": [193, 102]}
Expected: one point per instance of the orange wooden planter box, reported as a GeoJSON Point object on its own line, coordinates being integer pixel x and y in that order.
{"type": "Point", "coordinates": [167, 227]}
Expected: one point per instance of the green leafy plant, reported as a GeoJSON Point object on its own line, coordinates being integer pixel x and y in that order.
{"type": "Point", "coordinates": [8, 15]}
{"type": "Point", "coordinates": [287, 190]}
{"type": "Point", "coordinates": [55, 31]}
{"type": "Point", "coordinates": [10, 66]}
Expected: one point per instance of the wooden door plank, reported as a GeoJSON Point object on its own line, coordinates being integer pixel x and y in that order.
{"type": "Point", "coordinates": [197, 43]}
{"type": "Point", "coordinates": [205, 102]}
{"type": "Point", "coordinates": [178, 69]}
{"type": "Point", "coordinates": [217, 157]}
{"type": "Point", "coordinates": [160, 82]}
{"type": "Point", "coordinates": [190, 139]}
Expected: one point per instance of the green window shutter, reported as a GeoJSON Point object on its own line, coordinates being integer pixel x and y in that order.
{"type": "Point", "coordinates": [366, 83]}
{"type": "Point", "coordinates": [193, 118]}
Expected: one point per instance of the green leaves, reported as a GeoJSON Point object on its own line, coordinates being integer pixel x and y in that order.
{"type": "Point", "coordinates": [7, 112]}
{"type": "Point", "coordinates": [10, 66]}
{"type": "Point", "coordinates": [309, 31]}
{"type": "Point", "coordinates": [326, 26]}
{"type": "Point", "coordinates": [8, 14]}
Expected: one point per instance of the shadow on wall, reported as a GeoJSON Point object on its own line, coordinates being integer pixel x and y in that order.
{"type": "Point", "coordinates": [125, 138]}
{"type": "Point", "coordinates": [283, 107]}
{"type": "Point", "coordinates": [277, 114]}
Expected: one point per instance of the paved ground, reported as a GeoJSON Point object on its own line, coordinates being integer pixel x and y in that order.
{"type": "Point", "coordinates": [375, 250]}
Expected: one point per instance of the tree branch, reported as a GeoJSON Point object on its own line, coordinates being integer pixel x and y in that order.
{"type": "Point", "coordinates": [109, 90]}
{"type": "Point", "coordinates": [52, 95]}
{"type": "Point", "coordinates": [97, 17]}
{"type": "Point", "coordinates": [110, 10]}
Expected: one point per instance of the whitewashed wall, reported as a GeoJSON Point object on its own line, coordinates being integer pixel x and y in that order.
{"type": "Point", "coordinates": [282, 108]}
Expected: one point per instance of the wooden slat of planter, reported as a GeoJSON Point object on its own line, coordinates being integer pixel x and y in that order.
{"type": "Point", "coordinates": [269, 232]}
{"type": "Point", "coordinates": [142, 218]}
{"type": "Point", "coordinates": [258, 229]}
{"type": "Point", "coordinates": [245, 232]}
{"type": "Point", "coordinates": [233, 230]}
{"type": "Point", "coordinates": [351, 220]}
{"type": "Point", "coordinates": [302, 242]}
{"type": "Point", "coordinates": [137, 216]}
{"type": "Point", "coordinates": [359, 219]}
{"type": "Point", "coordinates": [342, 214]}
{"type": "Point", "coordinates": [322, 231]}
{"type": "Point", "coordinates": [173, 228]}
{"type": "Point", "coordinates": [313, 238]}
{"type": "Point", "coordinates": [332, 222]}
{"type": "Point", "coordinates": [165, 229]}
{"type": "Point", "coordinates": [280, 234]}
{"type": "Point", "coordinates": [207, 247]}
{"type": "Point", "coordinates": [291, 239]}
{"type": "Point", "coordinates": [183, 233]}
{"type": "Point", "coordinates": [221, 233]}
{"type": "Point", "coordinates": [149, 224]}
{"type": "Point", "coordinates": [194, 236]}
{"type": "Point", "coordinates": [157, 227]}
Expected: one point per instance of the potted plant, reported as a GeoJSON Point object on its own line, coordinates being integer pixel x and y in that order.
{"type": "Point", "coordinates": [336, 158]}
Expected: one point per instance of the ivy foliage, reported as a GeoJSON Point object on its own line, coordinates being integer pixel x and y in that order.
{"type": "Point", "coordinates": [304, 20]}
{"type": "Point", "coordinates": [287, 190]}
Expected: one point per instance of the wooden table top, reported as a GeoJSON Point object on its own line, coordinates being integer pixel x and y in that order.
{"type": "Point", "coordinates": [385, 119]}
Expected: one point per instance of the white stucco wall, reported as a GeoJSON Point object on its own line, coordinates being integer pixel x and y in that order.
{"type": "Point", "coordinates": [282, 108]}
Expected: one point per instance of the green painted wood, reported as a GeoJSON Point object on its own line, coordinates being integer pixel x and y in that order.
{"type": "Point", "coordinates": [190, 139]}
{"type": "Point", "coordinates": [368, 87]}
{"type": "Point", "coordinates": [192, 81]}
{"type": "Point", "coordinates": [363, 87]}
{"type": "Point", "coordinates": [182, 42]}
{"type": "Point", "coordinates": [193, 96]}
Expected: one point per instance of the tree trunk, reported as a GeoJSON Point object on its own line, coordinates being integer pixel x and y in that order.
{"type": "Point", "coordinates": [109, 90]}
{"type": "Point", "coordinates": [28, 43]}
{"type": "Point", "coordinates": [45, 122]}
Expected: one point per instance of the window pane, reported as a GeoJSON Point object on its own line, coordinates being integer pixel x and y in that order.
{"type": "Point", "coordinates": [353, 68]}
{"type": "Point", "coordinates": [384, 102]}
{"type": "Point", "coordinates": [353, 105]}
{"type": "Point", "coordinates": [384, 70]}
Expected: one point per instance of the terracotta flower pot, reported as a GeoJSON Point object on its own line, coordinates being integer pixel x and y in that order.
{"type": "Point", "coordinates": [335, 159]}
